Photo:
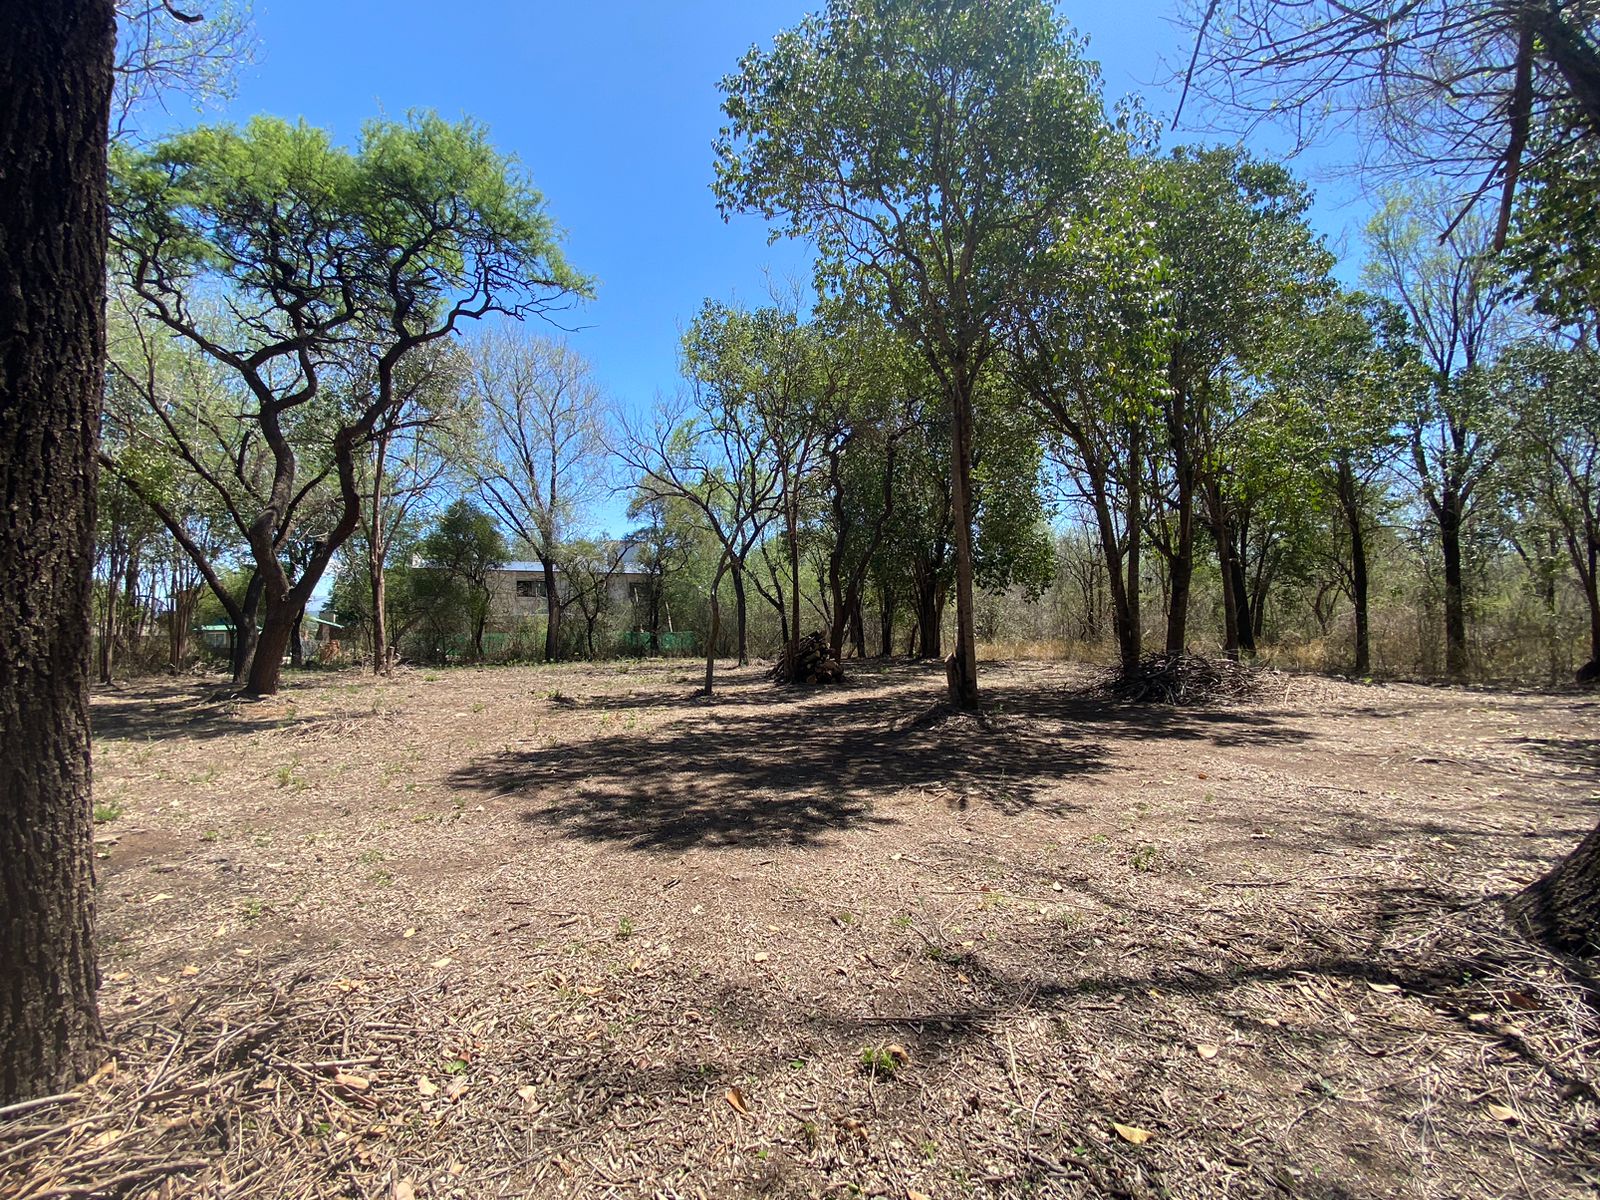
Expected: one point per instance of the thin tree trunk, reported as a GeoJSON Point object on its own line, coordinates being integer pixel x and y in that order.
{"type": "Point", "coordinates": [961, 672]}
{"type": "Point", "coordinates": [1350, 502]}
{"type": "Point", "coordinates": [716, 623]}
{"type": "Point", "coordinates": [1455, 593]}
{"type": "Point", "coordinates": [1180, 571]}
{"type": "Point", "coordinates": [886, 604]}
{"type": "Point", "coordinates": [55, 89]}
{"type": "Point", "coordinates": [380, 618]}
{"type": "Point", "coordinates": [297, 644]}
{"type": "Point", "coordinates": [740, 611]}
{"type": "Point", "coordinates": [552, 608]}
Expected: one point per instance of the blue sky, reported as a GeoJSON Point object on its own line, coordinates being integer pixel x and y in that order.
{"type": "Point", "coordinates": [612, 108]}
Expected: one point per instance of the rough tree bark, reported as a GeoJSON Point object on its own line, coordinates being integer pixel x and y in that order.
{"type": "Point", "coordinates": [1455, 590]}
{"type": "Point", "coordinates": [1350, 505]}
{"type": "Point", "coordinates": [961, 669]}
{"type": "Point", "coordinates": [55, 96]}
{"type": "Point", "coordinates": [1563, 907]}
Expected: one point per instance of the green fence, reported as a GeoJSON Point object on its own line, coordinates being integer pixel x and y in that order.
{"type": "Point", "coordinates": [637, 641]}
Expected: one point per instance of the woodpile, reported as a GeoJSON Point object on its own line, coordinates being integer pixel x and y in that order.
{"type": "Point", "coordinates": [813, 663]}
{"type": "Point", "coordinates": [1181, 679]}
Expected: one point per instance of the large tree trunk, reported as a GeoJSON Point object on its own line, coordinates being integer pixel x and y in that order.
{"type": "Point", "coordinates": [552, 609]}
{"type": "Point", "coordinates": [1563, 907]}
{"type": "Point", "coordinates": [1455, 592]}
{"type": "Point", "coordinates": [55, 88]}
{"type": "Point", "coordinates": [277, 631]}
{"type": "Point", "coordinates": [962, 669]}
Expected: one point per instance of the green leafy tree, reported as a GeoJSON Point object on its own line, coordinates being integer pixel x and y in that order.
{"type": "Point", "coordinates": [1238, 265]}
{"type": "Point", "coordinates": [325, 255]}
{"type": "Point", "coordinates": [1441, 273]}
{"type": "Point", "coordinates": [1343, 379]}
{"type": "Point", "coordinates": [928, 146]}
{"type": "Point", "coordinates": [461, 553]}
{"type": "Point", "coordinates": [1089, 361]}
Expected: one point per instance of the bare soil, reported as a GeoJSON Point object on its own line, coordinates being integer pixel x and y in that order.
{"type": "Point", "coordinates": [573, 931]}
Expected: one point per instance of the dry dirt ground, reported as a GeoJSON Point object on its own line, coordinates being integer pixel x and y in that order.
{"type": "Point", "coordinates": [575, 932]}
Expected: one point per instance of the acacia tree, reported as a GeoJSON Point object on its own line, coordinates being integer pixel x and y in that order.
{"type": "Point", "coordinates": [55, 95]}
{"type": "Point", "coordinates": [1457, 302]}
{"type": "Point", "coordinates": [928, 146]}
{"type": "Point", "coordinates": [323, 254]}
{"type": "Point", "coordinates": [544, 446]}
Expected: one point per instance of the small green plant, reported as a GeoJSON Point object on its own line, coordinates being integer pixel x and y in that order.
{"type": "Point", "coordinates": [479, 706]}
{"type": "Point", "coordinates": [108, 810]}
{"type": "Point", "coordinates": [252, 908]}
{"type": "Point", "coordinates": [370, 858]}
{"type": "Point", "coordinates": [624, 927]}
{"type": "Point", "coordinates": [456, 1066]}
{"type": "Point", "coordinates": [288, 776]}
{"type": "Point", "coordinates": [380, 878]}
{"type": "Point", "coordinates": [210, 835]}
{"type": "Point", "coordinates": [881, 1060]}
{"type": "Point", "coordinates": [1145, 858]}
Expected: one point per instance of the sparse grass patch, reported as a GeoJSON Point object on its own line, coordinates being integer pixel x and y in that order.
{"type": "Point", "coordinates": [107, 810]}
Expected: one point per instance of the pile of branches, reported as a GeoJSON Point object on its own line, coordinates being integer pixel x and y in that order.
{"type": "Point", "coordinates": [813, 663]}
{"type": "Point", "coordinates": [1181, 679]}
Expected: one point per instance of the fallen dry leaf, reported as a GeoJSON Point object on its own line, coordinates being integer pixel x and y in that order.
{"type": "Point", "coordinates": [1387, 989]}
{"type": "Point", "coordinates": [1501, 1113]}
{"type": "Point", "coordinates": [356, 1083]}
{"type": "Point", "coordinates": [404, 1189]}
{"type": "Point", "coordinates": [736, 1098]}
{"type": "Point", "coordinates": [441, 963]}
{"type": "Point", "coordinates": [1206, 1050]}
{"type": "Point", "coordinates": [1132, 1134]}
{"type": "Point", "coordinates": [761, 957]}
{"type": "Point", "coordinates": [426, 1086]}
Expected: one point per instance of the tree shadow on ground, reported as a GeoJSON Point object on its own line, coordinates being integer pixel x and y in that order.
{"type": "Point", "coordinates": [794, 770]}
{"type": "Point", "coordinates": [176, 711]}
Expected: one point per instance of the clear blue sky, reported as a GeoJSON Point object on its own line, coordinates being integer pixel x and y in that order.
{"type": "Point", "coordinates": [612, 109]}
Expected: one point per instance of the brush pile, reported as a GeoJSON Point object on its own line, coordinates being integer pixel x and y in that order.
{"type": "Point", "coordinates": [813, 663]}
{"type": "Point", "coordinates": [1181, 679]}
